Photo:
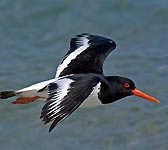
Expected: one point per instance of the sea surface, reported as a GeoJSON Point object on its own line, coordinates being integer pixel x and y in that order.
{"type": "Point", "coordinates": [35, 35]}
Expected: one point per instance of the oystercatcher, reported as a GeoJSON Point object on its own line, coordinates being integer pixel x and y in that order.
{"type": "Point", "coordinates": [78, 77]}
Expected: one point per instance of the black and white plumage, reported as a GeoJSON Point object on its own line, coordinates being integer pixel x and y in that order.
{"type": "Point", "coordinates": [66, 95]}
{"type": "Point", "coordinates": [86, 55]}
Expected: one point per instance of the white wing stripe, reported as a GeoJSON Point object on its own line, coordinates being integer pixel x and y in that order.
{"type": "Point", "coordinates": [62, 90]}
{"type": "Point", "coordinates": [63, 86]}
{"type": "Point", "coordinates": [56, 110]}
{"type": "Point", "coordinates": [72, 56]}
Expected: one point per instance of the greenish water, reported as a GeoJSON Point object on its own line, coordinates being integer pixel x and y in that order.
{"type": "Point", "coordinates": [34, 36]}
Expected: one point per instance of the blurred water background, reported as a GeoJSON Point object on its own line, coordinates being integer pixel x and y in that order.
{"type": "Point", "coordinates": [35, 35]}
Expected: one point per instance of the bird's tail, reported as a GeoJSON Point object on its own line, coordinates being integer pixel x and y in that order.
{"type": "Point", "coordinates": [7, 94]}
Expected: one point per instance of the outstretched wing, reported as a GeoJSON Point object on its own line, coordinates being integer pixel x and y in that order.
{"type": "Point", "coordinates": [86, 55]}
{"type": "Point", "coordinates": [65, 96]}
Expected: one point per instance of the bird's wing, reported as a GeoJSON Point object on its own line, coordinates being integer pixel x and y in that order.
{"type": "Point", "coordinates": [65, 96]}
{"type": "Point", "coordinates": [86, 55]}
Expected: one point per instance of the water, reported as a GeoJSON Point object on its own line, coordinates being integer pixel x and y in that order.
{"type": "Point", "coordinates": [34, 36]}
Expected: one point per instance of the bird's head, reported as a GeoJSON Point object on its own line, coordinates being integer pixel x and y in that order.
{"type": "Point", "coordinates": [120, 87]}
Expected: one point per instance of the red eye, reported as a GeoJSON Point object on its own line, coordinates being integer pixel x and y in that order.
{"type": "Point", "coordinates": [126, 85]}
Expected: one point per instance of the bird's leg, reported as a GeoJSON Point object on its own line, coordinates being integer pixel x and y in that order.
{"type": "Point", "coordinates": [25, 100]}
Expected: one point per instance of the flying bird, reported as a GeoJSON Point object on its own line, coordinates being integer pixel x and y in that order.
{"type": "Point", "coordinates": [78, 77]}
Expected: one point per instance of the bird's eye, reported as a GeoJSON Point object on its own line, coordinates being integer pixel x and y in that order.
{"type": "Point", "coordinates": [126, 85]}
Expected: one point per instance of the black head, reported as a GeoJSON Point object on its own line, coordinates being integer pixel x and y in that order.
{"type": "Point", "coordinates": [118, 87]}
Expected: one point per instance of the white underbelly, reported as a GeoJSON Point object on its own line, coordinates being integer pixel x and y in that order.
{"type": "Point", "coordinates": [92, 99]}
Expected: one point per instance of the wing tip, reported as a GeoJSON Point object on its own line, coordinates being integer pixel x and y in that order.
{"type": "Point", "coordinates": [83, 35]}
{"type": "Point", "coordinates": [97, 38]}
{"type": "Point", "coordinates": [54, 124]}
{"type": "Point", "coordinates": [51, 128]}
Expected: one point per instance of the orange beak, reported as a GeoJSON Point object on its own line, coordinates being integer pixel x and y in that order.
{"type": "Point", "coordinates": [145, 96]}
